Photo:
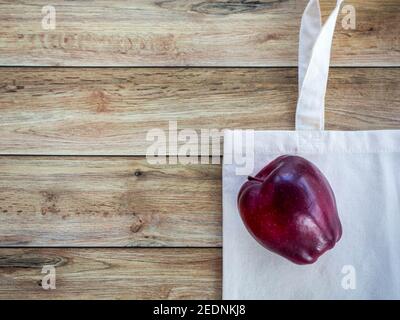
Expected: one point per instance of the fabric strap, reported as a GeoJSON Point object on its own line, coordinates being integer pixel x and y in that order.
{"type": "Point", "coordinates": [314, 57]}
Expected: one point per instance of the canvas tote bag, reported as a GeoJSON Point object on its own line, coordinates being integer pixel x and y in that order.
{"type": "Point", "coordinates": [363, 168]}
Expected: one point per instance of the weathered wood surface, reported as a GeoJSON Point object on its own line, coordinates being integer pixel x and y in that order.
{"type": "Point", "coordinates": [112, 273]}
{"type": "Point", "coordinates": [97, 111]}
{"type": "Point", "coordinates": [78, 201]}
{"type": "Point", "coordinates": [188, 33]}
{"type": "Point", "coordinates": [63, 196]}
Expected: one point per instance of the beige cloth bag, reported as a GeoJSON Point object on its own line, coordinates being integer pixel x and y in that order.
{"type": "Point", "coordinates": [363, 168]}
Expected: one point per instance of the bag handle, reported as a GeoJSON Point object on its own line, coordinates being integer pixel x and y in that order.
{"type": "Point", "coordinates": [314, 56]}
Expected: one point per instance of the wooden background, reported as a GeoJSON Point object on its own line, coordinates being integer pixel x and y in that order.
{"type": "Point", "coordinates": [76, 103]}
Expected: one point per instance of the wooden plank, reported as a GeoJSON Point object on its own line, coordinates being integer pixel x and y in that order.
{"type": "Point", "coordinates": [109, 111]}
{"type": "Point", "coordinates": [188, 33]}
{"type": "Point", "coordinates": [68, 201]}
{"type": "Point", "coordinates": [112, 273]}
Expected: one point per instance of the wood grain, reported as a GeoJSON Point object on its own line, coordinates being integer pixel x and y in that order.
{"type": "Point", "coordinates": [55, 189]}
{"type": "Point", "coordinates": [112, 273]}
{"type": "Point", "coordinates": [109, 111]}
{"type": "Point", "coordinates": [188, 33]}
{"type": "Point", "coordinates": [69, 201]}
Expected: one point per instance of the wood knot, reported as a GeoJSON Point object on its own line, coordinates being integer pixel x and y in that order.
{"type": "Point", "coordinates": [49, 204]}
{"type": "Point", "coordinates": [101, 100]}
{"type": "Point", "coordinates": [31, 260]}
{"type": "Point", "coordinates": [137, 224]}
{"type": "Point", "coordinates": [226, 7]}
{"type": "Point", "coordinates": [138, 173]}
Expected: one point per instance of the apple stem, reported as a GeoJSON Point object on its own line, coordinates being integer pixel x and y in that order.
{"type": "Point", "coordinates": [254, 179]}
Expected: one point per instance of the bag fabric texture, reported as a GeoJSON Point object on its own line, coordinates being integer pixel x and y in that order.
{"type": "Point", "coordinates": [363, 168]}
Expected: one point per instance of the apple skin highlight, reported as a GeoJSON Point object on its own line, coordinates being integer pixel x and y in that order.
{"type": "Point", "coordinates": [290, 209]}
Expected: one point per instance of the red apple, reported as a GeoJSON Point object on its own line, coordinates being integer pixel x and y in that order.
{"type": "Point", "coordinates": [290, 209]}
